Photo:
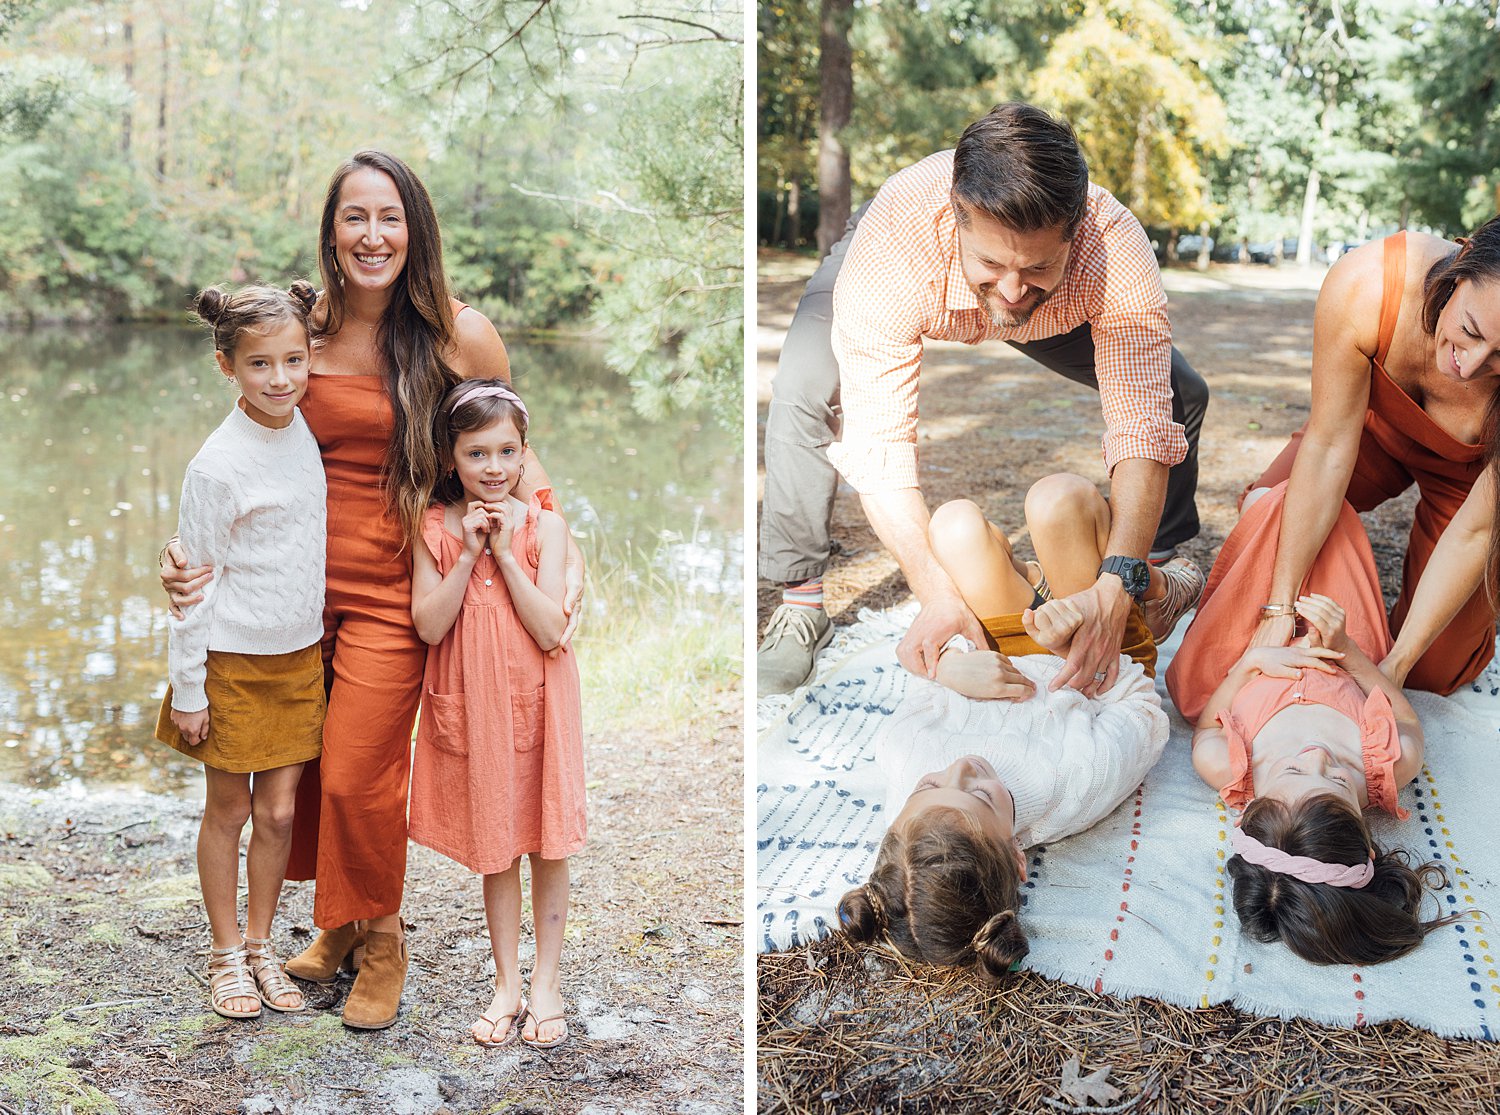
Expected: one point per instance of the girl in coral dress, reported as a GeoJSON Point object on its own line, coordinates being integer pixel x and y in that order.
{"type": "Point", "coordinates": [1304, 739]}
{"type": "Point", "coordinates": [498, 770]}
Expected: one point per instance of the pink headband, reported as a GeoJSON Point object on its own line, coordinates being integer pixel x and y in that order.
{"type": "Point", "coordinates": [498, 392]}
{"type": "Point", "coordinates": [1301, 867]}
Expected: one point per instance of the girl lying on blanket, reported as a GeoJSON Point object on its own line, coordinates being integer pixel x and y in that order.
{"type": "Point", "coordinates": [1304, 739]}
{"type": "Point", "coordinates": [1020, 762]}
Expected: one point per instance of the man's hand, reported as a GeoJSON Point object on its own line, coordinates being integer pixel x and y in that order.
{"type": "Point", "coordinates": [192, 725]}
{"type": "Point", "coordinates": [937, 622]}
{"type": "Point", "coordinates": [985, 675]}
{"type": "Point", "coordinates": [1093, 660]}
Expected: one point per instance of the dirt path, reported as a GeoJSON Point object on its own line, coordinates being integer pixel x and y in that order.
{"type": "Point", "coordinates": [101, 927]}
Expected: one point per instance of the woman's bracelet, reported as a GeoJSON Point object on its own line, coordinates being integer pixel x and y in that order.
{"type": "Point", "coordinates": [161, 554]}
{"type": "Point", "coordinates": [1274, 611]}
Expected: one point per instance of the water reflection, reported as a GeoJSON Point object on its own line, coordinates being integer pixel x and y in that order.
{"type": "Point", "coordinates": [96, 427]}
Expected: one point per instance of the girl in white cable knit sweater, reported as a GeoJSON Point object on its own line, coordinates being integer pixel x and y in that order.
{"type": "Point", "coordinates": [246, 697]}
{"type": "Point", "coordinates": [994, 755]}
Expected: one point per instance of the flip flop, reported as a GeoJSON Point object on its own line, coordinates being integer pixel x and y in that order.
{"type": "Point", "coordinates": [515, 1017]}
{"type": "Point", "coordinates": [540, 1022]}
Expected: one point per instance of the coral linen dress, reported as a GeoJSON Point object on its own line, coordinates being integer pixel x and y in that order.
{"type": "Point", "coordinates": [498, 770]}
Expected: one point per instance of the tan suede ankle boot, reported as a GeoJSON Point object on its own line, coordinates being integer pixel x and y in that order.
{"type": "Point", "coordinates": [376, 997]}
{"type": "Point", "coordinates": [321, 960]}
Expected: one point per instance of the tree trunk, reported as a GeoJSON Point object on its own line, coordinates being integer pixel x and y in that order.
{"type": "Point", "coordinates": [128, 111]}
{"type": "Point", "coordinates": [776, 217]}
{"type": "Point", "coordinates": [1140, 164]}
{"type": "Point", "coordinates": [161, 99]}
{"type": "Point", "coordinates": [794, 213]}
{"type": "Point", "coordinates": [1314, 178]}
{"type": "Point", "coordinates": [1203, 256]}
{"type": "Point", "coordinates": [836, 98]}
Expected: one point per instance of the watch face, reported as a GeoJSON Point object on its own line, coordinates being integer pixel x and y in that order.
{"type": "Point", "coordinates": [1133, 572]}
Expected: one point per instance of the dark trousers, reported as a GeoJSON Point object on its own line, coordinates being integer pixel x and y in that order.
{"type": "Point", "coordinates": [797, 508]}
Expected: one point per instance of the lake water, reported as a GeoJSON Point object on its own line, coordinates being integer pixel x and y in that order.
{"type": "Point", "coordinates": [96, 427]}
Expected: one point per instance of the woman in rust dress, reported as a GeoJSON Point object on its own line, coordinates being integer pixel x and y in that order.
{"type": "Point", "coordinates": [1406, 365]}
{"type": "Point", "coordinates": [392, 342]}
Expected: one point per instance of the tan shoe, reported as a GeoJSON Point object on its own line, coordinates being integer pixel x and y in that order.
{"type": "Point", "coordinates": [1184, 589]}
{"type": "Point", "coordinates": [321, 960]}
{"type": "Point", "coordinates": [376, 998]}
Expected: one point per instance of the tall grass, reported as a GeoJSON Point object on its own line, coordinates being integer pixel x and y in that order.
{"type": "Point", "coordinates": [653, 652]}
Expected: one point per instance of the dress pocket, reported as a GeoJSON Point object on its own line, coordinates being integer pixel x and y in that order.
{"type": "Point", "coordinates": [448, 722]}
{"type": "Point", "coordinates": [528, 717]}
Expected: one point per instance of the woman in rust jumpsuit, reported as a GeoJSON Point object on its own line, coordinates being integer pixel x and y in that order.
{"type": "Point", "coordinates": [1406, 365]}
{"type": "Point", "coordinates": [393, 341]}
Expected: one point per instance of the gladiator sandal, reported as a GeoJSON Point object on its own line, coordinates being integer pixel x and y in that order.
{"type": "Point", "coordinates": [265, 966]}
{"type": "Point", "coordinates": [334, 949]}
{"type": "Point", "coordinates": [229, 978]}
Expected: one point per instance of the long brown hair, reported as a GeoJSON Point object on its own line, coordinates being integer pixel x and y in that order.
{"type": "Point", "coordinates": [1322, 923]}
{"type": "Point", "coordinates": [944, 894]}
{"type": "Point", "coordinates": [1476, 259]}
{"type": "Point", "coordinates": [415, 333]}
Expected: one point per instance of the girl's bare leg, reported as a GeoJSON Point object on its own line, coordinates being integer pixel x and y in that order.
{"type": "Point", "coordinates": [273, 800]}
{"type": "Point", "coordinates": [1069, 523]}
{"type": "Point", "coordinates": [977, 555]}
{"type": "Point", "coordinates": [549, 909]}
{"type": "Point", "coordinates": [502, 911]}
{"type": "Point", "coordinates": [226, 808]}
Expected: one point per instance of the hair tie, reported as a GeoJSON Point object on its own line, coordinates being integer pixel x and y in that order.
{"type": "Point", "coordinates": [1307, 869]}
{"type": "Point", "coordinates": [494, 390]}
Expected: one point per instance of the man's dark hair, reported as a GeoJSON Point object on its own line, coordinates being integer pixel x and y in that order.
{"type": "Point", "coordinates": [1022, 167]}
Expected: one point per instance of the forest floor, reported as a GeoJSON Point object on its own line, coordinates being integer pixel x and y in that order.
{"type": "Point", "coordinates": [840, 1028]}
{"type": "Point", "coordinates": [103, 945]}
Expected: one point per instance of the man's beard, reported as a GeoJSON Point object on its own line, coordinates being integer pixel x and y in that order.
{"type": "Point", "coordinates": [1005, 317]}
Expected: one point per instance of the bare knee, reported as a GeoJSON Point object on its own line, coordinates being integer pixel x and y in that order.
{"type": "Point", "coordinates": [958, 528]}
{"type": "Point", "coordinates": [274, 818]}
{"type": "Point", "coordinates": [227, 812]}
{"type": "Point", "coordinates": [1063, 499]}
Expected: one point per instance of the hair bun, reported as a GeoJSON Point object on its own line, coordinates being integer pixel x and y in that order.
{"type": "Point", "coordinates": [209, 304]}
{"type": "Point", "coordinates": [858, 915]}
{"type": "Point", "coordinates": [303, 292]}
{"type": "Point", "coordinates": [998, 944]}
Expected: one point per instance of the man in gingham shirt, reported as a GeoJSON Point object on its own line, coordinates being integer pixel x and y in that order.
{"type": "Point", "coordinates": [1003, 238]}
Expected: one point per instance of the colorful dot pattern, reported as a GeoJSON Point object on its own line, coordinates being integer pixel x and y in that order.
{"type": "Point", "coordinates": [1217, 937]}
{"type": "Point", "coordinates": [1479, 960]}
{"type": "Point", "coordinates": [1135, 843]}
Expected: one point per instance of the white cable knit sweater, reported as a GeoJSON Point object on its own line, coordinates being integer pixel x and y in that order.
{"type": "Point", "coordinates": [1067, 760]}
{"type": "Point", "coordinates": [254, 506]}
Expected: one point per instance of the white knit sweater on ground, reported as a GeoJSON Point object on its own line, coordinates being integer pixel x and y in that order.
{"type": "Point", "coordinates": [1067, 760]}
{"type": "Point", "coordinates": [254, 506]}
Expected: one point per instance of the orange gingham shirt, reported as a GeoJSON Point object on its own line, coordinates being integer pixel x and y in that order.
{"type": "Point", "coordinates": [902, 280]}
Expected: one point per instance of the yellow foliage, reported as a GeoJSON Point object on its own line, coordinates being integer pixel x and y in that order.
{"type": "Point", "coordinates": [1127, 77]}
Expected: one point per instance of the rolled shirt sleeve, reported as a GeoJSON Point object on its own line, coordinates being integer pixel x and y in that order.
{"type": "Point", "coordinates": [1133, 349]}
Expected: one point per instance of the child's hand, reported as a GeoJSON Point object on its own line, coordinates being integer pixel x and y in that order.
{"type": "Point", "coordinates": [985, 675]}
{"type": "Point", "coordinates": [476, 527]}
{"type": "Point", "coordinates": [192, 725]}
{"type": "Point", "coordinates": [1053, 624]}
{"type": "Point", "coordinates": [502, 526]}
{"type": "Point", "coordinates": [1327, 621]}
{"type": "Point", "coordinates": [1284, 662]}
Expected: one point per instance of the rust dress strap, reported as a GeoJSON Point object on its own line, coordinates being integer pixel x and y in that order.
{"type": "Point", "coordinates": [1394, 274]}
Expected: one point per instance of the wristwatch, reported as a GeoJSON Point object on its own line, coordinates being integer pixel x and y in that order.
{"type": "Point", "coordinates": [1134, 574]}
